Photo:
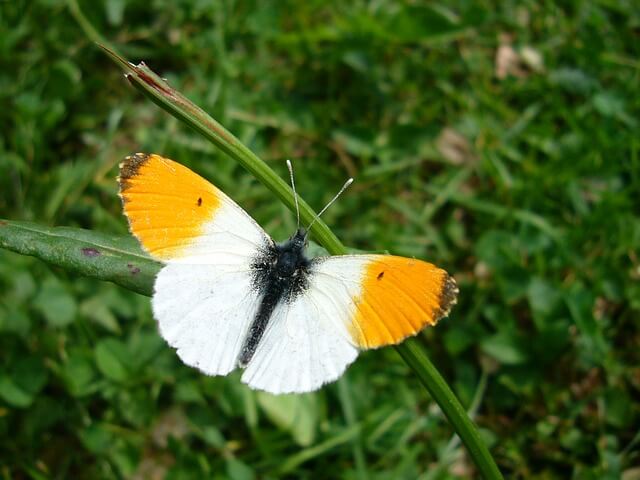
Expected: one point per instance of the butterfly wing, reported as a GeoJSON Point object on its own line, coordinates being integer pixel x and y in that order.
{"type": "Point", "coordinates": [179, 217]}
{"type": "Point", "coordinates": [203, 298]}
{"type": "Point", "coordinates": [352, 302]}
{"type": "Point", "coordinates": [204, 312]}
{"type": "Point", "coordinates": [392, 297]}
{"type": "Point", "coordinates": [303, 346]}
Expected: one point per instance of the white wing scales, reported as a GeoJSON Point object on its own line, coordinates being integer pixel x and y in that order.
{"type": "Point", "coordinates": [204, 312]}
{"type": "Point", "coordinates": [302, 348]}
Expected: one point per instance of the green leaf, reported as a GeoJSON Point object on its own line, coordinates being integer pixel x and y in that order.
{"type": "Point", "coordinates": [78, 374]}
{"type": "Point", "coordinates": [238, 470]}
{"type": "Point", "coordinates": [14, 320]}
{"type": "Point", "coordinates": [296, 414]}
{"type": "Point", "coordinates": [96, 438]}
{"type": "Point", "coordinates": [144, 347]}
{"type": "Point", "coordinates": [572, 80]}
{"type": "Point", "coordinates": [608, 104]}
{"type": "Point", "coordinates": [112, 359]}
{"type": "Point", "coordinates": [23, 380]}
{"type": "Point", "coordinates": [542, 296]}
{"type": "Point", "coordinates": [23, 285]}
{"type": "Point", "coordinates": [619, 410]}
{"type": "Point", "coordinates": [136, 406]}
{"type": "Point", "coordinates": [505, 348]}
{"type": "Point", "coordinates": [55, 303]}
{"type": "Point", "coordinates": [113, 258]}
{"type": "Point", "coordinates": [13, 394]}
{"type": "Point", "coordinates": [96, 309]}
{"type": "Point", "coordinates": [30, 374]}
{"type": "Point", "coordinates": [580, 302]}
{"type": "Point", "coordinates": [459, 339]}
{"type": "Point", "coordinates": [213, 437]}
{"type": "Point", "coordinates": [188, 391]}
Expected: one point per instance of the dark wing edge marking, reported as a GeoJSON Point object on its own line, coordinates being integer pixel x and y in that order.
{"type": "Point", "coordinates": [130, 167]}
{"type": "Point", "coordinates": [447, 299]}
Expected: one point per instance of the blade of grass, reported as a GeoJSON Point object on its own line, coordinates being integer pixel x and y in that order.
{"type": "Point", "coordinates": [524, 216]}
{"type": "Point", "coordinates": [448, 456]}
{"type": "Point", "coordinates": [85, 24]}
{"type": "Point", "coordinates": [344, 393]}
{"type": "Point", "coordinates": [307, 454]}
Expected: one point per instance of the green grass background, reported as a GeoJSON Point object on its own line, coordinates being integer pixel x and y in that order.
{"type": "Point", "coordinates": [525, 186]}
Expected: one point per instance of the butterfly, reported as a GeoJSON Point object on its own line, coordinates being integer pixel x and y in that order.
{"type": "Point", "coordinates": [230, 297]}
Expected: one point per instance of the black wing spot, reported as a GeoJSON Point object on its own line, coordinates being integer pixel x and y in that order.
{"type": "Point", "coordinates": [199, 201]}
{"type": "Point", "coordinates": [380, 275]}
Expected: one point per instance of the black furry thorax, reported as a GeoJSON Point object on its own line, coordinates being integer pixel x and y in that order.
{"type": "Point", "coordinates": [283, 267]}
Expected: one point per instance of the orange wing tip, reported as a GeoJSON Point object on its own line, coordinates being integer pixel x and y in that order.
{"type": "Point", "coordinates": [448, 298]}
{"type": "Point", "coordinates": [400, 297]}
{"type": "Point", "coordinates": [167, 204]}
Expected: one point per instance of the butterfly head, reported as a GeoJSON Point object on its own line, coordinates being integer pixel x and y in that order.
{"type": "Point", "coordinates": [299, 239]}
{"type": "Point", "coordinates": [290, 257]}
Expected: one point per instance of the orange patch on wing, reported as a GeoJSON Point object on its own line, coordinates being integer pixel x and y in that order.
{"type": "Point", "coordinates": [400, 296]}
{"type": "Point", "coordinates": [166, 203]}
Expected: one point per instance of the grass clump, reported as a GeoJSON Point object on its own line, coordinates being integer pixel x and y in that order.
{"type": "Point", "coordinates": [499, 142]}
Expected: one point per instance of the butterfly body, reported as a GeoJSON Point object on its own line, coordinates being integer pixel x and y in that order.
{"type": "Point", "coordinates": [280, 274]}
{"type": "Point", "coordinates": [230, 297]}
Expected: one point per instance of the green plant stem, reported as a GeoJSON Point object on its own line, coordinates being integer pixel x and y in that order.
{"type": "Point", "coordinates": [159, 91]}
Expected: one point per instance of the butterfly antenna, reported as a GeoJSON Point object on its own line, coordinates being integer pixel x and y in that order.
{"type": "Point", "coordinates": [295, 194]}
{"type": "Point", "coordinates": [344, 187]}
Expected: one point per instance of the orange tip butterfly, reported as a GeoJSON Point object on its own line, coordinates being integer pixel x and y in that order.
{"type": "Point", "coordinates": [230, 297]}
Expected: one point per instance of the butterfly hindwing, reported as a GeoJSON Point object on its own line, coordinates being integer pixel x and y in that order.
{"type": "Point", "coordinates": [352, 302]}
{"type": "Point", "coordinates": [204, 312]}
{"type": "Point", "coordinates": [302, 348]}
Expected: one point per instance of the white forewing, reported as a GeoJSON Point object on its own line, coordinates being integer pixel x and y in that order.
{"type": "Point", "coordinates": [204, 311]}
{"type": "Point", "coordinates": [306, 343]}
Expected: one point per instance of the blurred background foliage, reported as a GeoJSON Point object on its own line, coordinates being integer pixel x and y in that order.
{"type": "Point", "coordinates": [496, 139]}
